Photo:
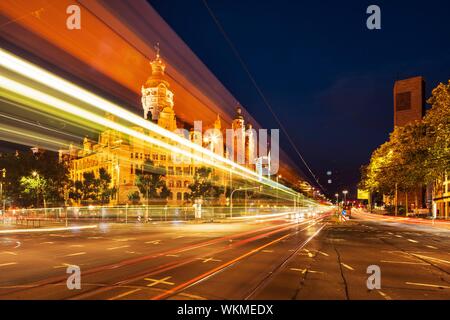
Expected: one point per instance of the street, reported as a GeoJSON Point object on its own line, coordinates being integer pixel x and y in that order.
{"type": "Point", "coordinates": [279, 258]}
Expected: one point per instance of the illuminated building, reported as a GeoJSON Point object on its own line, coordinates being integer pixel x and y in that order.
{"type": "Point", "coordinates": [123, 156]}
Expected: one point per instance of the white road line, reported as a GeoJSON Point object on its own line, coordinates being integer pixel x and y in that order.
{"type": "Point", "coordinates": [124, 294]}
{"type": "Point", "coordinates": [431, 258]}
{"type": "Point", "coordinates": [76, 246]}
{"type": "Point", "coordinates": [154, 242]}
{"type": "Point", "coordinates": [414, 241]}
{"type": "Point", "coordinates": [267, 251]}
{"type": "Point", "coordinates": [347, 266]}
{"type": "Point", "coordinates": [405, 262]}
{"type": "Point", "coordinates": [431, 247]}
{"type": "Point", "coordinates": [8, 264]}
{"type": "Point", "coordinates": [10, 252]}
{"type": "Point", "coordinates": [115, 248]}
{"type": "Point", "coordinates": [384, 295]}
{"type": "Point", "coordinates": [428, 285]}
{"type": "Point", "coordinates": [47, 242]}
{"type": "Point", "coordinates": [75, 254]}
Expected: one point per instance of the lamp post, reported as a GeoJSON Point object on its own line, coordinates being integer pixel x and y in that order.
{"type": "Point", "coordinates": [337, 199]}
{"type": "Point", "coordinates": [239, 189]}
{"type": "Point", "coordinates": [278, 177]}
{"type": "Point", "coordinates": [40, 190]}
{"type": "Point", "coordinates": [118, 182]}
{"type": "Point", "coordinates": [2, 176]}
{"type": "Point", "coordinates": [345, 196]}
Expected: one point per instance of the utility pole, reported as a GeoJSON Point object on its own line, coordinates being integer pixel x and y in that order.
{"type": "Point", "coordinates": [3, 202]}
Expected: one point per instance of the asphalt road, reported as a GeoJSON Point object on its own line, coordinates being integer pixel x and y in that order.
{"type": "Point", "coordinates": [312, 258]}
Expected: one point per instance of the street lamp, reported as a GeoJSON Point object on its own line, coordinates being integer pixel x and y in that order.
{"type": "Point", "coordinates": [337, 199]}
{"type": "Point", "coordinates": [345, 196]}
{"type": "Point", "coordinates": [2, 176]}
{"type": "Point", "coordinates": [240, 189]}
{"type": "Point", "coordinates": [118, 183]}
{"type": "Point", "coordinates": [278, 177]}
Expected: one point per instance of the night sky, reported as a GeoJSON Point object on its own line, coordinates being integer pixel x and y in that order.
{"type": "Point", "coordinates": [327, 76]}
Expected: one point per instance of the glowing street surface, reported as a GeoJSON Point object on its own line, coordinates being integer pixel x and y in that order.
{"type": "Point", "coordinates": [278, 258]}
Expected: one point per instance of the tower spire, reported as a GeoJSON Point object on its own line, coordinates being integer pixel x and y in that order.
{"type": "Point", "coordinates": [157, 50]}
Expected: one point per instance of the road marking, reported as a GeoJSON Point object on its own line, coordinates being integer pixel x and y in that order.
{"type": "Point", "coordinates": [10, 252]}
{"type": "Point", "coordinates": [124, 239]}
{"type": "Point", "coordinates": [431, 258]}
{"type": "Point", "coordinates": [208, 259]}
{"type": "Point", "coordinates": [404, 262]}
{"type": "Point", "coordinates": [115, 248]}
{"type": "Point", "coordinates": [154, 242]}
{"type": "Point", "coordinates": [267, 251]}
{"type": "Point", "coordinates": [414, 241]}
{"type": "Point", "coordinates": [158, 281]}
{"type": "Point", "coordinates": [18, 244]}
{"type": "Point", "coordinates": [303, 271]}
{"type": "Point", "coordinates": [124, 294]}
{"type": "Point", "coordinates": [310, 255]}
{"type": "Point", "coordinates": [64, 265]}
{"type": "Point", "coordinates": [398, 236]}
{"type": "Point", "coordinates": [172, 255]}
{"type": "Point", "coordinates": [323, 253]}
{"type": "Point", "coordinates": [75, 254]}
{"type": "Point", "coordinates": [76, 246]}
{"type": "Point", "coordinates": [428, 285]}
{"type": "Point", "coordinates": [384, 295]}
{"type": "Point", "coordinates": [347, 266]}
{"type": "Point", "coordinates": [7, 264]}
{"type": "Point", "coordinates": [192, 296]}
{"type": "Point", "coordinates": [431, 247]}
{"type": "Point", "coordinates": [47, 242]}
{"type": "Point", "coordinates": [179, 237]}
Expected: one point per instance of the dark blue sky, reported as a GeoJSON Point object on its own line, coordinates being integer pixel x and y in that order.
{"type": "Point", "coordinates": [328, 77]}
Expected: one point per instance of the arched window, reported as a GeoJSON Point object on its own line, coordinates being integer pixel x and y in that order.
{"type": "Point", "coordinates": [179, 196]}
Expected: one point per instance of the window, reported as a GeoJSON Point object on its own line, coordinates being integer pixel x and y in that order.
{"type": "Point", "coordinates": [178, 171]}
{"type": "Point", "coordinates": [178, 184]}
{"type": "Point", "coordinates": [155, 156]}
{"type": "Point", "coordinates": [186, 171]}
{"type": "Point", "coordinates": [170, 171]}
{"type": "Point", "coordinates": [131, 156]}
{"type": "Point", "coordinates": [403, 101]}
{"type": "Point", "coordinates": [131, 169]}
{"type": "Point", "coordinates": [179, 196]}
{"type": "Point", "coordinates": [186, 184]}
{"type": "Point", "coordinates": [170, 183]}
{"type": "Point", "coordinates": [162, 157]}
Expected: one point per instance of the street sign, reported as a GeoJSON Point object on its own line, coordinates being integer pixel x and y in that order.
{"type": "Point", "coordinates": [363, 194]}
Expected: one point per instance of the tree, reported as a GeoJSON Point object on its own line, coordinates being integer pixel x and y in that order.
{"type": "Point", "coordinates": [104, 186]}
{"type": "Point", "coordinates": [437, 120]}
{"type": "Point", "coordinates": [415, 154]}
{"type": "Point", "coordinates": [36, 186]}
{"type": "Point", "coordinates": [150, 182]}
{"type": "Point", "coordinates": [203, 186]}
{"type": "Point", "coordinates": [134, 197]}
{"type": "Point", "coordinates": [22, 164]}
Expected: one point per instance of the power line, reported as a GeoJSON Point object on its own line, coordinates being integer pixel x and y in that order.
{"type": "Point", "coordinates": [263, 97]}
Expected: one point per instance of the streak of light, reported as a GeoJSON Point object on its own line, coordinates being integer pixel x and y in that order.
{"type": "Point", "coordinates": [35, 73]}
{"type": "Point", "coordinates": [47, 229]}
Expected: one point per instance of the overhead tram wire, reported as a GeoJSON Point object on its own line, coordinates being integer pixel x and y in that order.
{"type": "Point", "coordinates": [258, 89]}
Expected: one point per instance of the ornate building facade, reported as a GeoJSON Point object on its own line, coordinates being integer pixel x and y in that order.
{"type": "Point", "coordinates": [124, 156]}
